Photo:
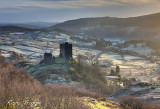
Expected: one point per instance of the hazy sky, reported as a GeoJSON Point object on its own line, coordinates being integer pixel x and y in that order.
{"type": "Point", "coordinates": [62, 10]}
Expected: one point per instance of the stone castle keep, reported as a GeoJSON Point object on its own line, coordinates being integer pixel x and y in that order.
{"type": "Point", "coordinates": [65, 52]}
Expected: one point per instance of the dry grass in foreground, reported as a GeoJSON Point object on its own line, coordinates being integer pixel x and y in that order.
{"type": "Point", "coordinates": [20, 91]}
{"type": "Point", "coordinates": [137, 104]}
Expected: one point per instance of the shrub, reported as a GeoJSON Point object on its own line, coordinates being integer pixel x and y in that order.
{"type": "Point", "coordinates": [17, 85]}
{"type": "Point", "coordinates": [117, 70]}
{"type": "Point", "coordinates": [137, 104]}
{"type": "Point", "coordinates": [15, 57]}
{"type": "Point", "coordinates": [113, 73]}
{"type": "Point", "coordinates": [96, 80]}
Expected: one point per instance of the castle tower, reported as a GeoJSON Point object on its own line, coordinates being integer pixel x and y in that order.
{"type": "Point", "coordinates": [66, 50]}
{"type": "Point", "coordinates": [48, 59]}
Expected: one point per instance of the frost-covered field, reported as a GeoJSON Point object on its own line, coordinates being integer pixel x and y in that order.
{"type": "Point", "coordinates": [34, 45]}
{"type": "Point", "coordinates": [139, 49]}
{"type": "Point", "coordinates": [131, 66]}
{"type": "Point", "coordinates": [35, 49]}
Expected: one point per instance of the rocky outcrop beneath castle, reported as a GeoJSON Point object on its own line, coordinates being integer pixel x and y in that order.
{"type": "Point", "coordinates": [48, 59]}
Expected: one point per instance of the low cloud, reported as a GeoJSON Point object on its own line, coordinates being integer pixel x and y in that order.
{"type": "Point", "coordinates": [55, 4]}
{"type": "Point", "coordinates": [62, 4]}
{"type": "Point", "coordinates": [67, 4]}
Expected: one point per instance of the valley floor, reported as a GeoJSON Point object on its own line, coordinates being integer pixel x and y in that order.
{"type": "Point", "coordinates": [131, 67]}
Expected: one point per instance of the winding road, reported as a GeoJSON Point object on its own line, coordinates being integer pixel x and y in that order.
{"type": "Point", "coordinates": [96, 57]}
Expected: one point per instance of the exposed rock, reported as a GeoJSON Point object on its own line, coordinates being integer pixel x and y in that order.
{"type": "Point", "coordinates": [55, 79]}
{"type": "Point", "coordinates": [143, 91]}
{"type": "Point", "coordinates": [21, 64]}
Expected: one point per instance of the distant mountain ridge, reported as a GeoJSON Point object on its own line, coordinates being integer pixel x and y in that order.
{"type": "Point", "coordinates": [31, 25]}
{"type": "Point", "coordinates": [141, 27]}
{"type": "Point", "coordinates": [14, 29]}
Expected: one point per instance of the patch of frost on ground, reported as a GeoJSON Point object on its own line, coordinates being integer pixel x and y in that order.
{"type": "Point", "coordinates": [139, 49]}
